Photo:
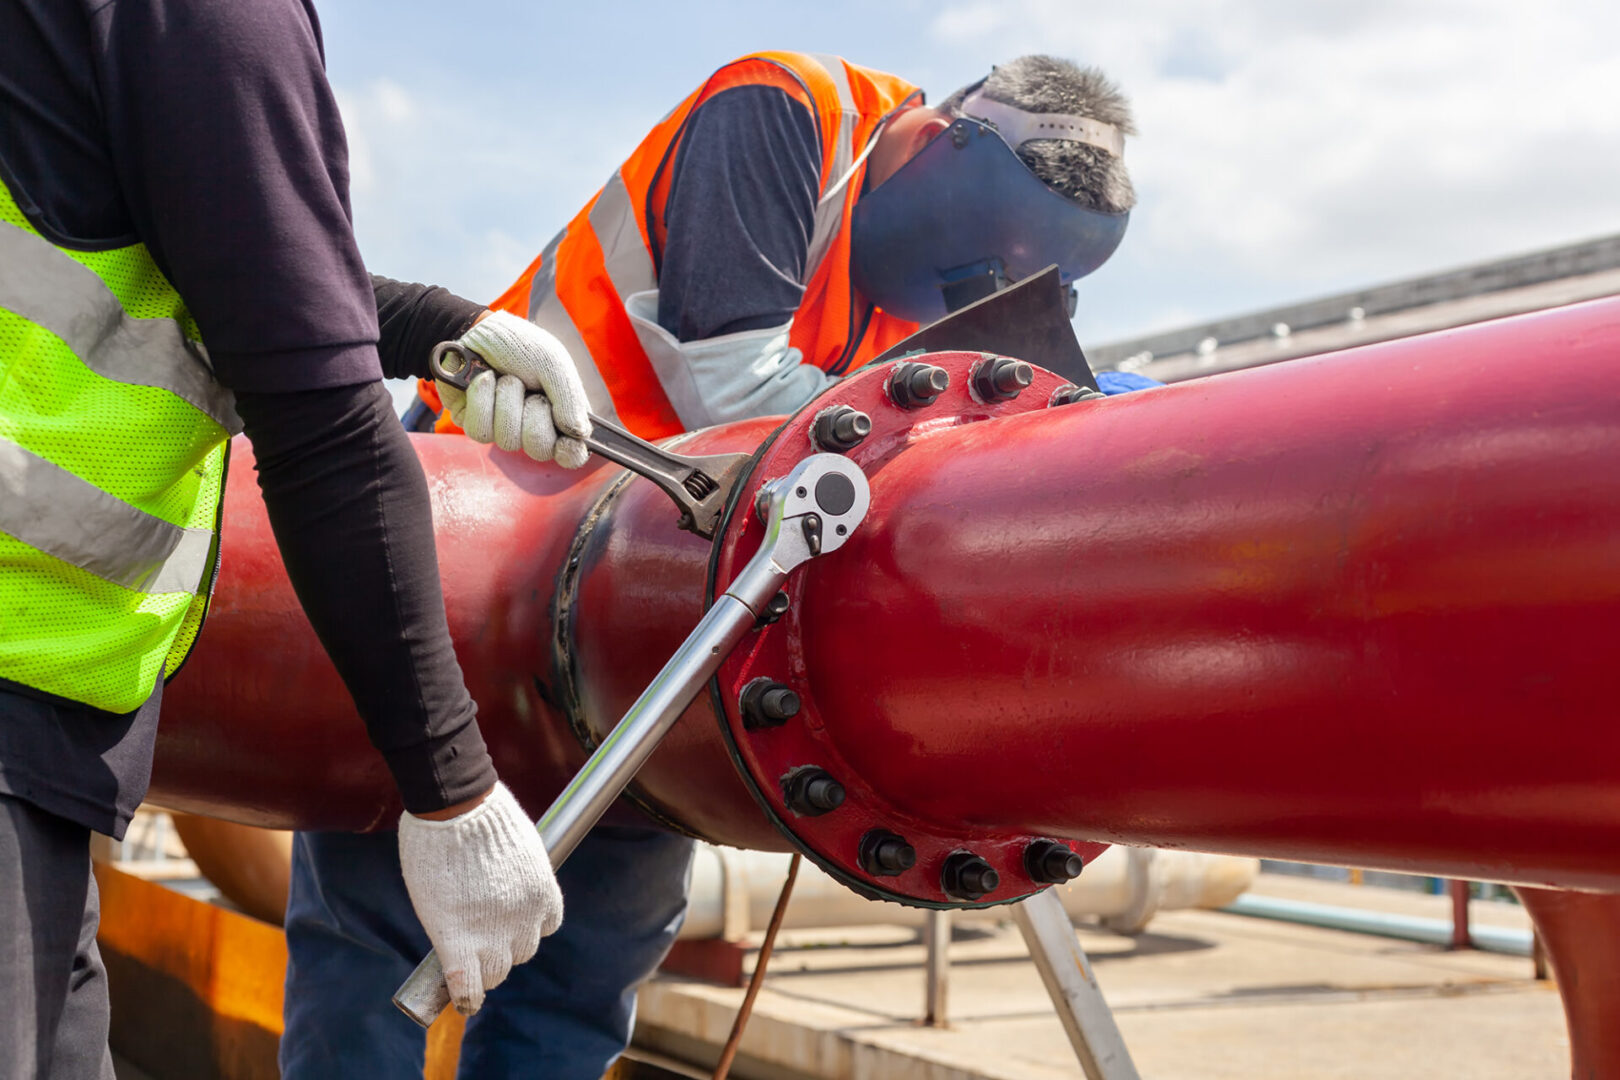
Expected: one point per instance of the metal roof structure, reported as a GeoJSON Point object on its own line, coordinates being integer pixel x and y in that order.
{"type": "Point", "coordinates": [1469, 294]}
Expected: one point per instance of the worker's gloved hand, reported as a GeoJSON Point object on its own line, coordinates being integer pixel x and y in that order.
{"type": "Point", "coordinates": [482, 885]}
{"type": "Point", "coordinates": [502, 409]}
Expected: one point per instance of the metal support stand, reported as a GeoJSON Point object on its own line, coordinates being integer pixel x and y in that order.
{"type": "Point", "coordinates": [937, 940]}
{"type": "Point", "coordinates": [1075, 994]}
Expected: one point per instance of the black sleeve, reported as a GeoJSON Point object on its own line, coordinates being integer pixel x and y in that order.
{"type": "Point", "coordinates": [741, 210]}
{"type": "Point", "coordinates": [411, 319]}
{"type": "Point", "coordinates": [230, 154]}
{"type": "Point", "coordinates": [349, 506]}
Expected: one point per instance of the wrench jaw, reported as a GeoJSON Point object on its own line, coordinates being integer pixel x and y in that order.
{"type": "Point", "coordinates": [699, 486]}
{"type": "Point", "coordinates": [714, 476]}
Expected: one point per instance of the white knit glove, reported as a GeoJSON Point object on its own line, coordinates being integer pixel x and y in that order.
{"type": "Point", "coordinates": [483, 888]}
{"type": "Point", "coordinates": [505, 410]}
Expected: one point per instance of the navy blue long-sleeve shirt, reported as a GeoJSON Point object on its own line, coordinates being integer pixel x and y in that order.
{"type": "Point", "coordinates": [206, 129]}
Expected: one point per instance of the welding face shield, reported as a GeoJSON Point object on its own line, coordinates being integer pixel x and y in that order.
{"type": "Point", "coordinates": [965, 216]}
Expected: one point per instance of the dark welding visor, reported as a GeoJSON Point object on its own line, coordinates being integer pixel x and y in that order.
{"type": "Point", "coordinates": [967, 208]}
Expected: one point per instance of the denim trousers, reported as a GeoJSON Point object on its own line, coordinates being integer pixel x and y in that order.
{"type": "Point", "coordinates": [352, 938]}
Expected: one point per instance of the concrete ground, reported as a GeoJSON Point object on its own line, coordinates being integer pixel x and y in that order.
{"type": "Point", "coordinates": [1201, 996]}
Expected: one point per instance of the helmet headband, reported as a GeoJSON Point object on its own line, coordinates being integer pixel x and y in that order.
{"type": "Point", "coordinates": [1018, 127]}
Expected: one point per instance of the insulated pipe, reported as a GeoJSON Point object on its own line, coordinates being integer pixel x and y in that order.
{"type": "Point", "coordinates": [733, 892]}
{"type": "Point", "coordinates": [1498, 939]}
{"type": "Point", "coordinates": [1355, 609]}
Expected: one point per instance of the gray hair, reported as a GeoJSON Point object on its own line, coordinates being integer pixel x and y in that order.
{"type": "Point", "coordinates": [1088, 175]}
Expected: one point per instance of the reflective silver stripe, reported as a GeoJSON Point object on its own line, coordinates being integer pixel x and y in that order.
{"type": "Point", "coordinates": [840, 76]}
{"type": "Point", "coordinates": [624, 252]}
{"type": "Point", "coordinates": [546, 310]}
{"type": "Point", "coordinates": [45, 286]}
{"type": "Point", "coordinates": [830, 208]}
{"type": "Point", "coordinates": [54, 511]}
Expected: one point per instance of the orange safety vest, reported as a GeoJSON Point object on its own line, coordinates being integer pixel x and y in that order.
{"type": "Point", "coordinates": [576, 288]}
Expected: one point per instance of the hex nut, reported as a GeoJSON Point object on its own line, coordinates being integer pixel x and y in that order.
{"type": "Point", "coordinates": [1001, 378]}
{"type": "Point", "coordinates": [766, 703]}
{"type": "Point", "coordinates": [1052, 862]}
{"type": "Point", "coordinates": [967, 876]}
{"type": "Point", "coordinates": [885, 854]}
{"type": "Point", "coordinates": [840, 428]}
{"type": "Point", "coordinates": [811, 791]}
{"type": "Point", "coordinates": [914, 386]}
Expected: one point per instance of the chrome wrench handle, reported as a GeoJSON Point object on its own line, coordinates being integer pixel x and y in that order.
{"type": "Point", "coordinates": [809, 512]}
{"type": "Point", "coordinates": [699, 485]}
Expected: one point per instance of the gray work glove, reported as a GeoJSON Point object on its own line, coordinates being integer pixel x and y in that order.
{"type": "Point", "coordinates": [483, 888]}
{"type": "Point", "coordinates": [500, 406]}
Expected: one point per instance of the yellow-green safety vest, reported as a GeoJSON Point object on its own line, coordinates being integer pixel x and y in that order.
{"type": "Point", "coordinates": [114, 435]}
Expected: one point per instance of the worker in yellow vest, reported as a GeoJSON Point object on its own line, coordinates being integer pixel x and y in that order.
{"type": "Point", "coordinates": [786, 222]}
{"type": "Point", "coordinates": [177, 264]}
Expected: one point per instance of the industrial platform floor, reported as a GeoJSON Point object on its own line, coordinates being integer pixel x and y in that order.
{"type": "Point", "coordinates": [1202, 996]}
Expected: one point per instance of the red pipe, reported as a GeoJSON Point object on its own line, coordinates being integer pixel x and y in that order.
{"type": "Point", "coordinates": [1359, 609]}
{"type": "Point", "coordinates": [1355, 609]}
{"type": "Point", "coordinates": [259, 729]}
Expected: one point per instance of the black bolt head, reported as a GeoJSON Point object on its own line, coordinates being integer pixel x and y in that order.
{"type": "Point", "coordinates": [1052, 862]}
{"type": "Point", "coordinates": [1068, 394]}
{"type": "Point", "coordinates": [765, 703]}
{"type": "Point", "coordinates": [966, 876]}
{"type": "Point", "coordinates": [1001, 378]}
{"type": "Point", "coordinates": [912, 386]}
{"type": "Point", "coordinates": [776, 607]}
{"type": "Point", "coordinates": [810, 791]}
{"type": "Point", "coordinates": [886, 854]}
{"type": "Point", "coordinates": [842, 427]}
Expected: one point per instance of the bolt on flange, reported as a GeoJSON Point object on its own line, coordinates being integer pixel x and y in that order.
{"type": "Point", "coordinates": [915, 386]}
{"type": "Point", "coordinates": [841, 428]}
{"type": "Point", "coordinates": [885, 854]}
{"type": "Point", "coordinates": [811, 791]}
{"type": "Point", "coordinates": [1052, 862]}
{"type": "Point", "coordinates": [967, 876]}
{"type": "Point", "coordinates": [1001, 378]}
{"type": "Point", "coordinates": [1068, 394]}
{"type": "Point", "coordinates": [766, 703]}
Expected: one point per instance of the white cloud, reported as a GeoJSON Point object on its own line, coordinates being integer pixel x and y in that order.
{"type": "Point", "coordinates": [464, 191]}
{"type": "Point", "coordinates": [1291, 148]}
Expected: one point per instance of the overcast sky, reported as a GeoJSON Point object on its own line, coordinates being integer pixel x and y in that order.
{"type": "Point", "coordinates": [1287, 148]}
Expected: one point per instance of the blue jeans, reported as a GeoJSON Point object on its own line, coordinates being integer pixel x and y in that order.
{"type": "Point", "coordinates": [352, 938]}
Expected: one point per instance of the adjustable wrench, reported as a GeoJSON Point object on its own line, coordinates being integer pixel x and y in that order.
{"type": "Point", "coordinates": [807, 513]}
{"type": "Point", "coordinates": [699, 485]}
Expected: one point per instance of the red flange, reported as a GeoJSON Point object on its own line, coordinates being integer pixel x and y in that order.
{"type": "Point", "coordinates": [775, 758]}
